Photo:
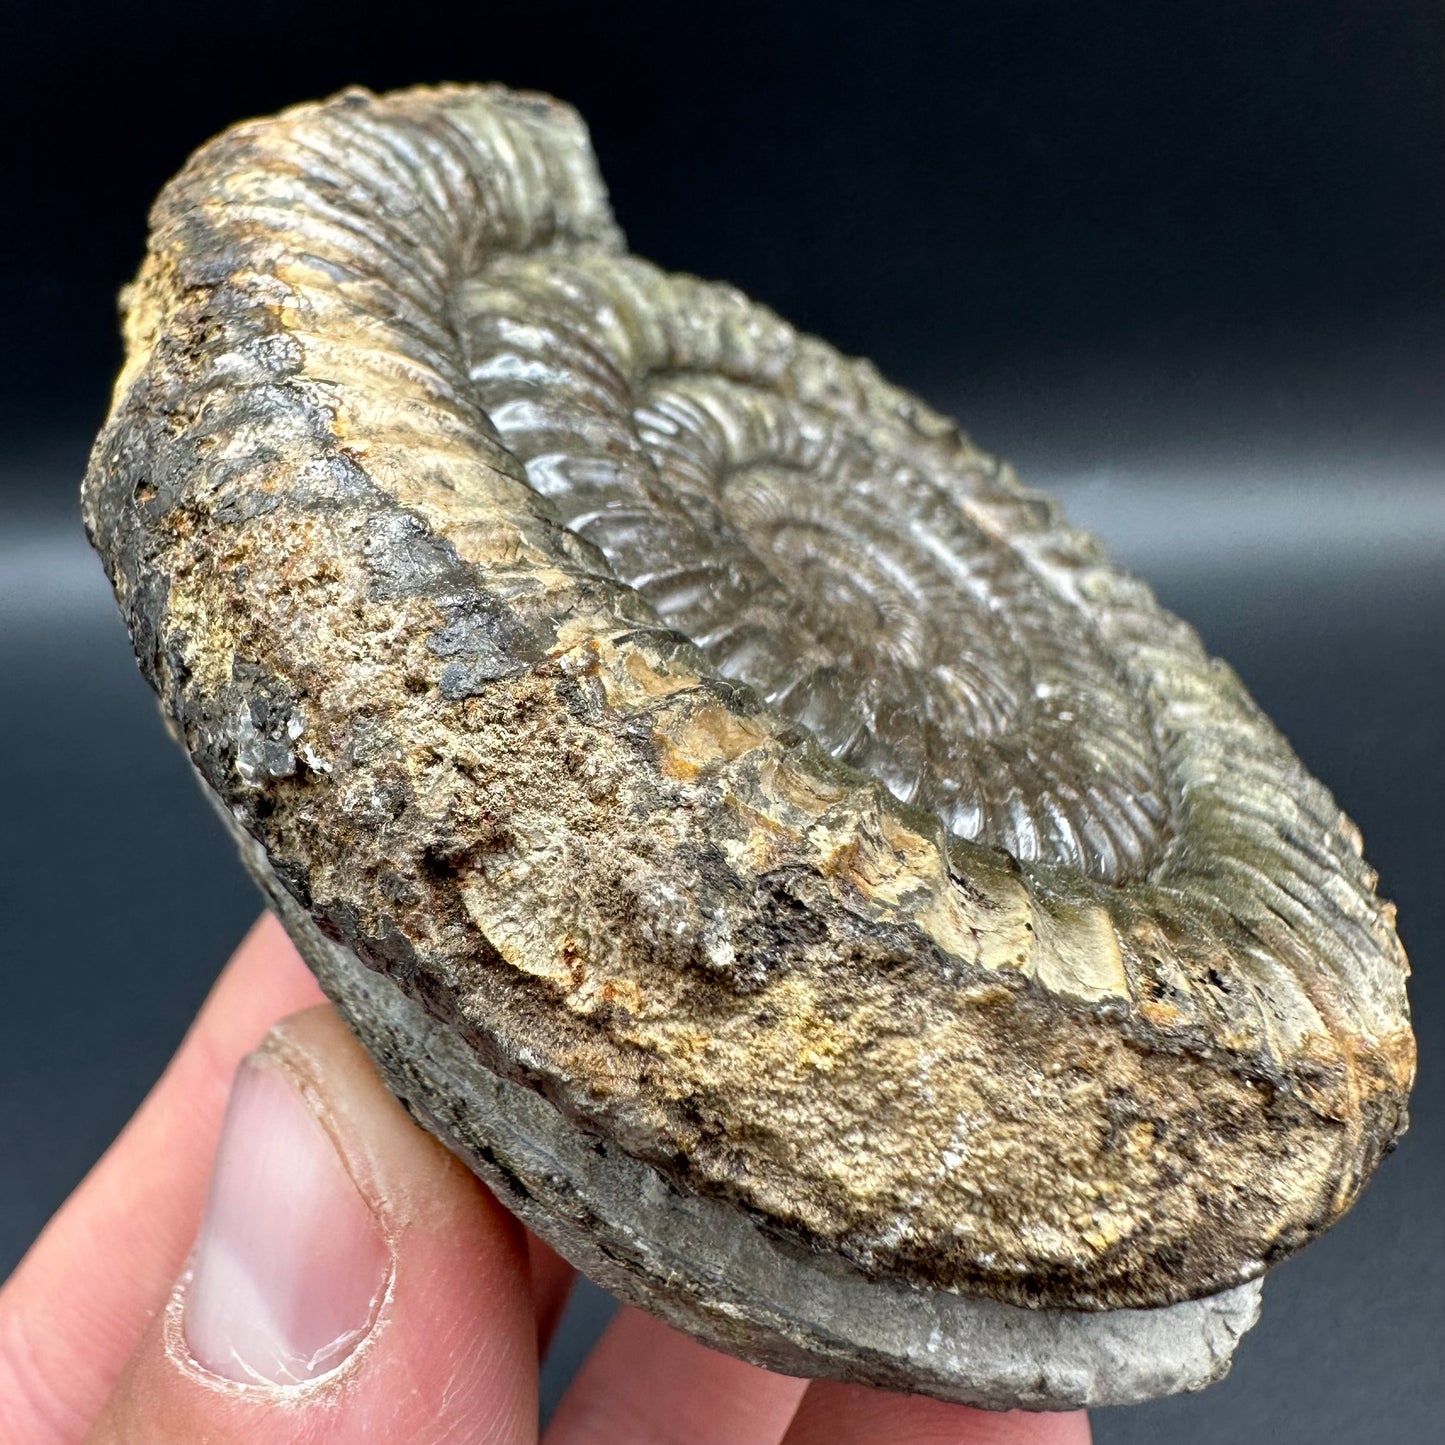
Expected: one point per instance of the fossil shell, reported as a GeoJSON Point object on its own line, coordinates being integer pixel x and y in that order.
{"type": "Point", "coordinates": [816, 889]}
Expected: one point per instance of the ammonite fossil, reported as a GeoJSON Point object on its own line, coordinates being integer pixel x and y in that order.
{"type": "Point", "coordinates": [814, 888]}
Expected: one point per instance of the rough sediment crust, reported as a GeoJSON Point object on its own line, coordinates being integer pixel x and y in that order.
{"type": "Point", "coordinates": [713, 1272]}
{"type": "Point", "coordinates": [712, 746]}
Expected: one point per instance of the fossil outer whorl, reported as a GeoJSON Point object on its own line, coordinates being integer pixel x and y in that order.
{"type": "Point", "coordinates": [716, 741]}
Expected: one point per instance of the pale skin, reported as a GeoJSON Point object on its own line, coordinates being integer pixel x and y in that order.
{"type": "Point", "coordinates": [94, 1324]}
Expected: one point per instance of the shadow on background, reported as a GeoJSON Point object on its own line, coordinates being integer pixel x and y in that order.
{"type": "Point", "coordinates": [1182, 263]}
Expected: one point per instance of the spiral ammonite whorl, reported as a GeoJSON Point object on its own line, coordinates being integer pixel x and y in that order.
{"type": "Point", "coordinates": [852, 578]}
{"type": "Point", "coordinates": [814, 888]}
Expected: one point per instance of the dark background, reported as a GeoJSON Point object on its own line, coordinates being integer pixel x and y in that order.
{"type": "Point", "coordinates": [1184, 262]}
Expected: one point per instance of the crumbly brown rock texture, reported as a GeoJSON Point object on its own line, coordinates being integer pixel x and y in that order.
{"type": "Point", "coordinates": [717, 791]}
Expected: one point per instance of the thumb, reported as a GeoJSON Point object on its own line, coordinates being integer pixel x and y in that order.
{"type": "Point", "coordinates": [351, 1281]}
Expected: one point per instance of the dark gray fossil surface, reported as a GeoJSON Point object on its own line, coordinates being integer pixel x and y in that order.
{"type": "Point", "coordinates": [818, 892]}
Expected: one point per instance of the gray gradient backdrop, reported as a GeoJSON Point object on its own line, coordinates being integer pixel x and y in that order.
{"type": "Point", "coordinates": [1183, 264]}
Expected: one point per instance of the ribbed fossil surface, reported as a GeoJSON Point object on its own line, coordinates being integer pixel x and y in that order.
{"type": "Point", "coordinates": [725, 756]}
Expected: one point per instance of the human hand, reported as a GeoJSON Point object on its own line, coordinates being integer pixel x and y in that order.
{"type": "Point", "coordinates": [350, 1281]}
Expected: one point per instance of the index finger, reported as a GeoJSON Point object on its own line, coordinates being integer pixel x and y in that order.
{"type": "Point", "coordinates": [834, 1414]}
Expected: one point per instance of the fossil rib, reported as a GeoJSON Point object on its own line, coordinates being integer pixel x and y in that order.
{"type": "Point", "coordinates": [645, 714]}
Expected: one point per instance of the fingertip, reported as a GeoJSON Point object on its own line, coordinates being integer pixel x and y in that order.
{"type": "Point", "coordinates": [267, 979]}
{"type": "Point", "coordinates": [350, 1277]}
{"type": "Point", "coordinates": [646, 1383]}
{"type": "Point", "coordinates": [76, 1305]}
{"type": "Point", "coordinates": [839, 1414]}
